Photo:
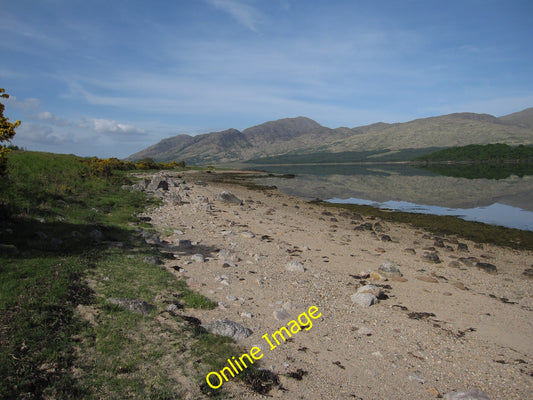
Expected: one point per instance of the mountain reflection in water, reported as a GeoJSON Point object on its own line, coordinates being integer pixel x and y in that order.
{"type": "Point", "coordinates": [499, 200]}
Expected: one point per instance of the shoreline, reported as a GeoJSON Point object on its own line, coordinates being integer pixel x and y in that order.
{"type": "Point", "coordinates": [448, 224]}
{"type": "Point", "coordinates": [441, 324]}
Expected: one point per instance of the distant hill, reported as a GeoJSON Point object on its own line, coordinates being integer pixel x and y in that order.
{"type": "Point", "coordinates": [304, 140]}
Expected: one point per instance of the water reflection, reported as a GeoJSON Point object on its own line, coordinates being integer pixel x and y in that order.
{"type": "Point", "coordinates": [382, 183]}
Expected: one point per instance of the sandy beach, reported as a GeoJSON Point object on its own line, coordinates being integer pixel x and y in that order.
{"type": "Point", "coordinates": [450, 314]}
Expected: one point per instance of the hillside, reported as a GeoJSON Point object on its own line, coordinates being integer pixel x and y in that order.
{"type": "Point", "coordinates": [302, 138]}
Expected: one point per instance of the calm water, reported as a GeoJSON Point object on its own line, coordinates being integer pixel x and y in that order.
{"type": "Point", "coordinates": [499, 196]}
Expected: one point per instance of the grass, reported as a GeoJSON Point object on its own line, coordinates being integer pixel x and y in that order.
{"type": "Point", "coordinates": [59, 335]}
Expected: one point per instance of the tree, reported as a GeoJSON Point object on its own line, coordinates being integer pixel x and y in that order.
{"type": "Point", "coordinates": [7, 131]}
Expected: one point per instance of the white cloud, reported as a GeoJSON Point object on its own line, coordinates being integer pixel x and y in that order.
{"type": "Point", "coordinates": [48, 117]}
{"type": "Point", "coordinates": [110, 126]}
{"type": "Point", "coordinates": [29, 134]}
{"type": "Point", "coordinates": [241, 11]}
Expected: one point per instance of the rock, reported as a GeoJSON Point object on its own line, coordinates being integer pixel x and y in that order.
{"type": "Point", "coordinates": [223, 279]}
{"type": "Point", "coordinates": [488, 268]}
{"type": "Point", "coordinates": [184, 244]}
{"type": "Point", "coordinates": [227, 255]}
{"type": "Point", "coordinates": [55, 243]}
{"type": "Point", "coordinates": [229, 198]}
{"type": "Point", "coordinates": [398, 279]}
{"type": "Point", "coordinates": [7, 248]}
{"type": "Point", "coordinates": [432, 257]}
{"type": "Point", "coordinates": [389, 270]}
{"type": "Point", "coordinates": [376, 277]}
{"type": "Point", "coordinates": [386, 238]}
{"type": "Point", "coordinates": [137, 306]}
{"type": "Point", "coordinates": [174, 199]}
{"type": "Point", "coordinates": [425, 278]}
{"type": "Point", "coordinates": [469, 261]}
{"type": "Point", "coordinates": [61, 203]}
{"type": "Point", "coordinates": [364, 299]}
{"type": "Point", "coordinates": [467, 395]}
{"type": "Point", "coordinates": [157, 183]}
{"type": "Point", "coordinates": [281, 315]}
{"type": "Point", "coordinates": [462, 247]}
{"type": "Point", "coordinates": [528, 273]}
{"type": "Point", "coordinates": [96, 235]}
{"type": "Point", "coordinates": [247, 234]}
{"type": "Point", "coordinates": [151, 238]}
{"type": "Point", "coordinates": [454, 264]}
{"type": "Point", "coordinates": [410, 251]}
{"type": "Point", "coordinates": [294, 306]}
{"type": "Point", "coordinates": [459, 286]}
{"type": "Point", "coordinates": [373, 289]}
{"type": "Point", "coordinates": [199, 258]}
{"type": "Point", "coordinates": [364, 227]}
{"type": "Point", "coordinates": [228, 328]}
{"type": "Point", "coordinates": [295, 266]}
{"type": "Point", "coordinates": [364, 331]}
{"type": "Point", "coordinates": [151, 260]}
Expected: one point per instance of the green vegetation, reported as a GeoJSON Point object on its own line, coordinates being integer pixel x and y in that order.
{"type": "Point", "coordinates": [60, 337]}
{"type": "Point", "coordinates": [490, 152]}
{"type": "Point", "coordinates": [480, 170]}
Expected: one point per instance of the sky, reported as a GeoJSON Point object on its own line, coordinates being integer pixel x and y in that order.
{"type": "Point", "coordinates": [109, 78]}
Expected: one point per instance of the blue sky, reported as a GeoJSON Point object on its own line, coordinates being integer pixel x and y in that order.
{"type": "Point", "coordinates": [109, 78]}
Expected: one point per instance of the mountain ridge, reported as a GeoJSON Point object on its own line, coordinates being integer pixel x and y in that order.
{"type": "Point", "coordinates": [302, 135]}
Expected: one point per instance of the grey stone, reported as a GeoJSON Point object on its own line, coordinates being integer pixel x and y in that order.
{"type": "Point", "coordinates": [157, 183]}
{"type": "Point", "coordinates": [227, 197]}
{"type": "Point", "coordinates": [174, 199]}
{"type": "Point", "coordinates": [198, 258]}
{"type": "Point", "coordinates": [228, 328]}
{"type": "Point", "coordinates": [151, 238]}
{"type": "Point", "coordinates": [96, 235]}
{"type": "Point", "coordinates": [295, 266]}
{"type": "Point", "coordinates": [137, 306]}
{"type": "Point", "coordinates": [55, 243]}
{"type": "Point", "coordinates": [364, 331]}
{"type": "Point", "coordinates": [151, 260]}
{"type": "Point", "coordinates": [185, 244]}
{"type": "Point", "coordinates": [462, 247]}
{"type": "Point", "coordinates": [473, 394]}
{"type": "Point", "coordinates": [8, 248]}
{"type": "Point", "coordinates": [386, 238]}
{"type": "Point", "coordinates": [281, 315]}
{"type": "Point", "coordinates": [364, 299]}
{"type": "Point", "coordinates": [432, 257]}
{"type": "Point", "coordinates": [528, 273]}
{"type": "Point", "coordinates": [488, 268]}
{"type": "Point", "coordinates": [389, 270]}
{"type": "Point", "coordinates": [373, 289]}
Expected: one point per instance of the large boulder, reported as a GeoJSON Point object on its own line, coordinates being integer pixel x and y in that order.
{"type": "Point", "coordinates": [228, 328]}
{"type": "Point", "coordinates": [229, 198]}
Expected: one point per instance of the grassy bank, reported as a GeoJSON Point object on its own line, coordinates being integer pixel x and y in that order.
{"type": "Point", "coordinates": [67, 245]}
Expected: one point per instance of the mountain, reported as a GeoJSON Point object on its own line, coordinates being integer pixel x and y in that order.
{"type": "Point", "coordinates": [303, 140]}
